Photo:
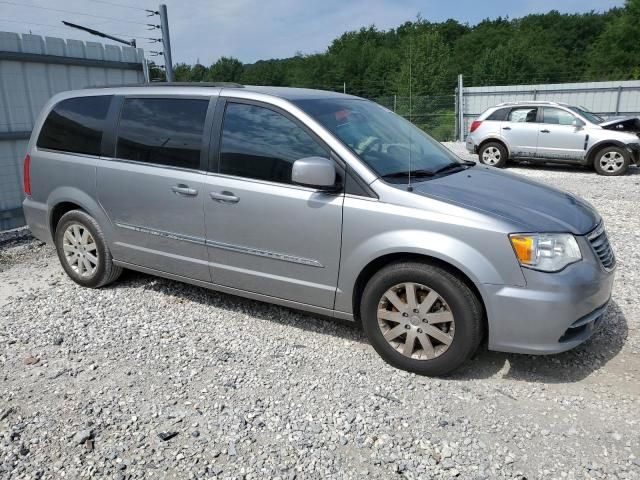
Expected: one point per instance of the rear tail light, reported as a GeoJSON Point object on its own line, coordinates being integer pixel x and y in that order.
{"type": "Point", "coordinates": [474, 125]}
{"type": "Point", "coordinates": [27, 175]}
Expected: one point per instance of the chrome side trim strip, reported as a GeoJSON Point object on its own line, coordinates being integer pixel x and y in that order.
{"type": "Point", "coordinates": [162, 233]}
{"type": "Point", "coordinates": [265, 253]}
{"type": "Point", "coordinates": [224, 246]}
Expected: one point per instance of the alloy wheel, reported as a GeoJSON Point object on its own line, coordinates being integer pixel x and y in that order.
{"type": "Point", "coordinates": [416, 321]}
{"type": "Point", "coordinates": [491, 156]}
{"type": "Point", "coordinates": [80, 250]}
{"type": "Point", "coordinates": [611, 161]}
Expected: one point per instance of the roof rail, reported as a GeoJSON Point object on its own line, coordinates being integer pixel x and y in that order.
{"type": "Point", "coordinates": [173, 84]}
{"type": "Point", "coordinates": [532, 102]}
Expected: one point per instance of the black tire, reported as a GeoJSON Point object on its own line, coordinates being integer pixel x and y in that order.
{"type": "Point", "coordinates": [464, 305]}
{"type": "Point", "coordinates": [105, 270]}
{"type": "Point", "coordinates": [613, 169]}
{"type": "Point", "coordinates": [490, 148]}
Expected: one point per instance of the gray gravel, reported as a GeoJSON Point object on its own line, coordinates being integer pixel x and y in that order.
{"type": "Point", "coordinates": [151, 378]}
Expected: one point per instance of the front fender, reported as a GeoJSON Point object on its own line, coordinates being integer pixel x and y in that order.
{"type": "Point", "coordinates": [593, 149]}
{"type": "Point", "coordinates": [473, 263]}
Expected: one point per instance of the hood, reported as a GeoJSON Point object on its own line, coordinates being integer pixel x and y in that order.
{"type": "Point", "coordinates": [531, 206]}
{"type": "Point", "coordinates": [626, 124]}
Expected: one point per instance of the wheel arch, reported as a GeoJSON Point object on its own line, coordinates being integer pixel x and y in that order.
{"type": "Point", "coordinates": [380, 262]}
{"type": "Point", "coordinates": [595, 148]}
{"type": "Point", "coordinates": [494, 140]}
{"type": "Point", "coordinates": [65, 199]}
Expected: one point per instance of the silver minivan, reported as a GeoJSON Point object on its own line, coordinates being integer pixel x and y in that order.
{"type": "Point", "coordinates": [322, 202]}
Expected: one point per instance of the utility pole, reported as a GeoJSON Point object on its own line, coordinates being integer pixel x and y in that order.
{"type": "Point", "coordinates": [166, 42]}
{"type": "Point", "coordinates": [460, 108]}
{"type": "Point", "coordinates": [344, 87]}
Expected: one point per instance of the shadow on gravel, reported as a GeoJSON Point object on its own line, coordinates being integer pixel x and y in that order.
{"type": "Point", "coordinates": [567, 367]}
{"type": "Point", "coordinates": [557, 167]}
{"type": "Point", "coordinates": [235, 304]}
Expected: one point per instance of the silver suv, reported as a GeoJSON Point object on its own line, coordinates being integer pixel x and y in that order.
{"type": "Point", "coordinates": [321, 202]}
{"type": "Point", "coordinates": [557, 133]}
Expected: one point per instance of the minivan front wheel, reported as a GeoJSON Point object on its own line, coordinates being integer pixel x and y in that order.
{"type": "Point", "coordinates": [421, 318]}
{"type": "Point", "coordinates": [83, 252]}
{"type": "Point", "coordinates": [493, 154]}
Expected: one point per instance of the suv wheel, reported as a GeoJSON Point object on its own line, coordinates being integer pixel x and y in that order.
{"type": "Point", "coordinates": [611, 161]}
{"type": "Point", "coordinates": [83, 252]}
{"type": "Point", "coordinates": [421, 318]}
{"type": "Point", "coordinates": [493, 154]}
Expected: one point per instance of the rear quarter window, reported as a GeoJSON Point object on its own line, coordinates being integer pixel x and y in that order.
{"type": "Point", "coordinates": [498, 115]}
{"type": "Point", "coordinates": [76, 125]}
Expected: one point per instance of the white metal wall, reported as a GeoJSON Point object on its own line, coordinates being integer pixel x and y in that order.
{"type": "Point", "coordinates": [610, 99]}
{"type": "Point", "coordinates": [34, 68]}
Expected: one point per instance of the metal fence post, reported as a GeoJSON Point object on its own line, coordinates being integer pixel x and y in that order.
{"type": "Point", "coordinates": [618, 100]}
{"type": "Point", "coordinates": [460, 108]}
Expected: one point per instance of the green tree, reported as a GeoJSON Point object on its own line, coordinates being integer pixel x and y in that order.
{"type": "Point", "coordinates": [616, 53]}
{"type": "Point", "coordinates": [226, 69]}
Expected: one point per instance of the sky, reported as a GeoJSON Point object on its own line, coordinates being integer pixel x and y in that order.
{"type": "Point", "coordinates": [251, 30]}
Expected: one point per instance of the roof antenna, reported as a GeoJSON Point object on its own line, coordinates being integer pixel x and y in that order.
{"type": "Point", "coordinates": [409, 187]}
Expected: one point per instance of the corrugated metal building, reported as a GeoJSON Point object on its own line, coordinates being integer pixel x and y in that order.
{"type": "Point", "coordinates": [32, 69]}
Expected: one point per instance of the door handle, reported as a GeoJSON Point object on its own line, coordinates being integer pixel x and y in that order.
{"type": "Point", "coordinates": [545, 131]}
{"type": "Point", "coordinates": [182, 189]}
{"type": "Point", "coordinates": [506, 128]}
{"type": "Point", "coordinates": [225, 197]}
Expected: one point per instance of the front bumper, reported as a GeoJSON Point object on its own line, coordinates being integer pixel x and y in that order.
{"type": "Point", "coordinates": [555, 312]}
{"type": "Point", "coordinates": [634, 152]}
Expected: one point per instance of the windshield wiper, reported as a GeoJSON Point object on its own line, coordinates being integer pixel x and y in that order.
{"type": "Point", "coordinates": [452, 166]}
{"type": "Point", "coordinates": [414, 173]}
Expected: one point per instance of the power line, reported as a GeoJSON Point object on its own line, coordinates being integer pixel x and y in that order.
{"type": "Point", "coordinates": [119, 5]}
{"type": "Point", "coordinates": [72, 12]}
{"type": "Point", "coordinates": [58, 27]}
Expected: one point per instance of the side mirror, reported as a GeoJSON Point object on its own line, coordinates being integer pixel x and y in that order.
{"type": "Point", "coordinates": [315, 172]}
{"type": "Point", "coordinates": [577, 123]}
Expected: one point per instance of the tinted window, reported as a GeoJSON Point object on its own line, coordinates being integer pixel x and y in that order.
{"type": "Point", "coordinates": [523, 114]}
{"type": "Point", "coordinates": [263, 144]}
{"type": "Point", "coordinates": [499, 114]}
{"type": "Point", "coordinates": [557, 116]}
{"type": "Point", "coordinates": [76, 125]}
{"type": "Point", "coordinates": [166, 131]}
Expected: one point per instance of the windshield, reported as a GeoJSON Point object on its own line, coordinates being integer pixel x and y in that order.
{"type": "Point", "coordinates": [592, 117]}
{"type": "Point", "coordinates": [386, 142]}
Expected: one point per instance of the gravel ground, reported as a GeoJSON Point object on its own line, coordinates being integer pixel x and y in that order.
{"type": "Point", "coordinates": [151, 378]}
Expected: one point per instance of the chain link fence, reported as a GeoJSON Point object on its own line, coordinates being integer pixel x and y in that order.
{"type": "Point", "coordinates": [435, 114]}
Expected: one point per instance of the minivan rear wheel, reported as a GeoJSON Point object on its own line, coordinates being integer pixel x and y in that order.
{"type": "Point", "coordinates": [421, 318]}
{"type": "Point", "coordinates": [83, 252]}
{"type": "Point", "coordinates": [493, 154]}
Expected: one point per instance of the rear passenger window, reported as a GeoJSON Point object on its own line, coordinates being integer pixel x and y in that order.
{"type": "Point", "coordinates": [76, 125]}
{"type": "Point", "coordinates": [164, 131]}
{"type": "Point", "coordinates": [263, 144]}
{"type": "Point", "coordinates": [523, 114]}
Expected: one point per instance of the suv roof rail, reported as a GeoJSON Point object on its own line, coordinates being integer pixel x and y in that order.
{"type": "Point", "coordinates": [172, 84]}
{"type": "Point", "coordinates": [532, 102]}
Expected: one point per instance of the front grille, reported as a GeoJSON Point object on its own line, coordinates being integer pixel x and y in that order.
{"type": "Point", "coordinates": [601, 246]}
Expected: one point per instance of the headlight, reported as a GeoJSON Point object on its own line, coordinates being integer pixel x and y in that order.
{"type": "Point", "coordinates": [549, 252]}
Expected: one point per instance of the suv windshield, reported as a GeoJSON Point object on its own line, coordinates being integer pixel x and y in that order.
{"type": "Point", "coordinates": [386, 142]}
{"type": "Point", "coordinates": [592, 117]}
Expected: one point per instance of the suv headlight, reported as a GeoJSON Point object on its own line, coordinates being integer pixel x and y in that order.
{"type": "Point", "coordinates": [548, 252]}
